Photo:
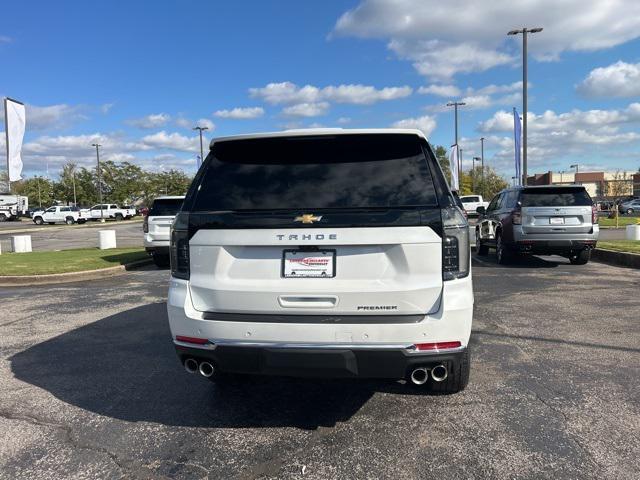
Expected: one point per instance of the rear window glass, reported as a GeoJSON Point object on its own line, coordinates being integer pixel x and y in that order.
{"type": "Point", "coordinates": [341, 171]}
{"type": "Point", "coordinates": [165, 206]}
{"type": "Point", "coordinates": [470, 199]}
{"type": "Point", "coordinates": [556, 197]}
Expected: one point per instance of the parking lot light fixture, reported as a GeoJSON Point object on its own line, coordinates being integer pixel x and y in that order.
{"type": "Point", "coordinates": [524, 32]}
{"type": "Point", "coordinates": [200, 129]}
{"type": "Point", "coordinates": [455, 106]}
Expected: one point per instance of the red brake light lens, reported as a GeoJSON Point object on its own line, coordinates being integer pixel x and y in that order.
{"type": "Point", "coordinates": [196, 340]}
{"type": "Point", "coordinates": [516, 217]}
{"type": "Point", "coordinates": [437, 346]}
{"type": "Point", "coordinates": [594, 214]}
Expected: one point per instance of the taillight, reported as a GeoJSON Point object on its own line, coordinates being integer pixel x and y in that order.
{"type": "Point", "coordinates": [145, 224]}
{"type": "Point", "coordinates": [196, 340]}
{"type": "Point", "coordinates": [179, 247]}
{"type": "Point", "coordinates": [594, 214]}
{"type": "Point", "coordinates": [437, 346]}
{"type": "Point", "coordinates": [455, 244]}
{"type": "Point", "coordinates": [516, 216]}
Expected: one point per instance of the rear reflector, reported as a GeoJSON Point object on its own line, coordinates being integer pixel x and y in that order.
{"type": "Point", "coordinates": [196, 340]}
{"type": "Point", "coordinates": [437, 346]}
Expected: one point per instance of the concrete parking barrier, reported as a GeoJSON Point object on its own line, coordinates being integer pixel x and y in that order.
{"type": "Point", "coordinates": [633, 232]}
{"type": "Point", "coordinates": [21, 243]}
{"type": "Point", "coordinates": [106, 239]}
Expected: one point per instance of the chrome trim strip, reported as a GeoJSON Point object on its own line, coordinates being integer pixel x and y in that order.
{"type": "Point", "coordinates": [410, 348]}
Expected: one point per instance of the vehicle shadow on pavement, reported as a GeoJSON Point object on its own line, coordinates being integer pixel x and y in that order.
{"type": "Point", "coordinates": [124, 367]}
{"type": "Point", "coordinates": [521, 261]}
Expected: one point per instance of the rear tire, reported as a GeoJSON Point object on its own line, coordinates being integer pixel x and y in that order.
{"type": "Point", "coordinates": [3, 217]}
{"type": "Point", "coordinates": [161, 261]}
{"type": "Point", "coordinates": [119, 217]}
{"type": "Point", "coordinates": [481, 249]}
{"type": "Point", "coordinates": [580, 258]}
{"type": "Point", "coordinates": [457, 378]}
{"type": "Point", "coordinates": [629, 211]}
{"type": "Point", "coordinates": [504, 256]}
{"type": "Point", "coordinates": [69, 221]}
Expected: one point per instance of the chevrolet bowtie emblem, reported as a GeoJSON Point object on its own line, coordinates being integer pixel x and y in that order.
{"type": "Point", "coordinates": [308, 218]}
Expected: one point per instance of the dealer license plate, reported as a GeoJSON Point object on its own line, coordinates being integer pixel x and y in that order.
{"type": "Point", "coordinates": [309, 264]}
{"type": "Point", "coordinates": [556, 220]}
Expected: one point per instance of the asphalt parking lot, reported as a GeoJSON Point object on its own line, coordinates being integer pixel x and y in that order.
{"type": "Point", "coordinates": [90, 388]}
{"type": "Point", "coordinates": [64, 237]}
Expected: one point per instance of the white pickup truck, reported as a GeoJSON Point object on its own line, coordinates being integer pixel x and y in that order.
{"type": "Point", "coordinates": [472, 202]}
{"type": "Point", "coordinates": [110, 210]}
{"type": "Point", "coordinates": [59, 214]}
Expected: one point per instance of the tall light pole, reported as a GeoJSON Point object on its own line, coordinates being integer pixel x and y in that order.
{"type": "Point", "coordinates": [97, 145]}
{"type": "Point", "coordinates": [475, 159]}
{"type": "Point", "coordinates": [575, 177]}
{"type": "Point", "coordinates": [524, 32]}
{"type": "Point", "coordinates": [73, 178]}
{"type": "Point", "coordinates": [455, 106]}
{"type": "Point", "coordinates": [200, 129]}
{"type": "Point", "coordinates": [482, 163]}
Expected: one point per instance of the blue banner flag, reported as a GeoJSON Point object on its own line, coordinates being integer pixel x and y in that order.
{"type": "Point", "coordinates": [517, 136]}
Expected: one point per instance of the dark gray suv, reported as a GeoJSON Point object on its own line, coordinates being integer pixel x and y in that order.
{"type": "Point", "coordinates": [544, 220]}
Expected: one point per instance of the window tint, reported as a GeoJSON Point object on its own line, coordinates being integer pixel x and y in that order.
{"type": "Point", "coordinates": [511, 199]}
{"type": "Point", "coordinates": [470, 199]}
{"type": "Point", "coordinates": [556, 197]}
{"type": "Point", "coordinates": [65, 209]}
{"type": "Point", "coordinates": [341, 171]}
{"type": "Point", "coordinates": [494, 203]}
{"type": "Point", "coordinates": [51, 209]}
{"type": "Point", "coordinates": [165, 207]}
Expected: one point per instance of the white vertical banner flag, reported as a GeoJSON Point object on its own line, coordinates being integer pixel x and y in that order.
{"type": "Point", "coordinates": [453, 165]}
{"type": "Point", "coordinates": [15, 122]}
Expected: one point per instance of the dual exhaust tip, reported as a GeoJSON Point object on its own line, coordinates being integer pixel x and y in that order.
{"type": "Point", "coordinates": [206, 369]}
{"type": "Point", "coordinates": [420, 375]}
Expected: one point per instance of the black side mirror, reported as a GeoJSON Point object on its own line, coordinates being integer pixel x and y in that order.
{"type": "Point", "coordinates": [481, 210]}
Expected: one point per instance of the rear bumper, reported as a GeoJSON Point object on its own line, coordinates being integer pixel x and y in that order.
{"type": "Point", "coordinates": [153, 242]}
{"type": "Point", "coordinates": [552, 246]}
{"type": "Point", "coordinates": [305, 361]}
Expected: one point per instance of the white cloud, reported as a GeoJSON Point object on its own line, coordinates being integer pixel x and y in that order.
{"type": "Point", "coordinates": [440, 90]}
{"type": "Point", "coordinates": [241, 113]}
{"type": "Point", "coordinates": [620, 79]}
{"type": "Point", "coordinates": [446, 38]}
{"type": "Point", "coordinates": [190, 124]}
{"type": "Point", "coordinates": [343, 120]}
{"type": "Point", "coordinates": [306, 109]}
{"type": "Point", "coordinates": [205, 122]}
{"type": "Point", "coordinates": [5, 39]}
{"type": "Point", "coordinates": [154, 120]}
{"type": "Point", "coordinates": [171, 141]}
{"type": "Point", "coordinates": [426, 124]}
{"type": "Point", "coordinates": [287, 93]}
{"type": "Point", "coordinates": [555, 136]}
{"type": "Point", "coordinates": [106, 108]}
{"type": "Point", "coordinates": [52, 116]}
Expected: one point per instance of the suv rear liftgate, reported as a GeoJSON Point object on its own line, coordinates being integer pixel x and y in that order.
{"type": "Point", "coordinates": [322, 255]}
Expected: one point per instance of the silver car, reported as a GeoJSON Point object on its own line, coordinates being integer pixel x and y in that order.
{"type": "Point", "coordinates": [541, 220]}
{"type": "Point", "coordinates": [631, 206]}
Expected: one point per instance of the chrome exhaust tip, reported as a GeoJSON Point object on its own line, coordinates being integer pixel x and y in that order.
{"type": "Point", "coordinates": [419, 376]}
{"type": "Point", "coordinates": [190, 365]}
{"type": "Point", "coordinates": [206, 369]}
{"type": "Point", "coordinates": [439, 373]}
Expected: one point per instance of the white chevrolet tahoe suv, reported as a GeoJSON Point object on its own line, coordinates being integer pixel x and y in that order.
{"type": "Point", "coordinates": [326, 253]}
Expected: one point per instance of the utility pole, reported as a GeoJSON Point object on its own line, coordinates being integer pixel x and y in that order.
{"type": "Point", "coordinates": [482, 163]}
{"type": "Point", "coordinates": [524, 32]}
{"type": "Point", "coordinates": [200, 129]}
{"type": "Point", "coordinates": [455, 106]}
{"type": "Point", "coordinates": [97, 145]}
{"type": "Point", "coordinates": [39, 196]}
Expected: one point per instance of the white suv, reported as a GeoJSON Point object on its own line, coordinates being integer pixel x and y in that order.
{"type": "Point", "coordinates": [157, 227]}
{"type": "Point", "coordinates": [333, 253]}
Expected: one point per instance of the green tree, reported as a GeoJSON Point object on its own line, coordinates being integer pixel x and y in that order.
{"type": "Point", "coordinates": [40, 191]}
{"type": "Point", "coordinates": [124, 182]}
{"type": "Point", "coordinates": [169, 182]}
{"type": "Point", "coordinates": [487, 187]}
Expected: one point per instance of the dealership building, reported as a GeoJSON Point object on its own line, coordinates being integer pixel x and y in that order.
{"type": "Point", "coordinates": [600, 185]}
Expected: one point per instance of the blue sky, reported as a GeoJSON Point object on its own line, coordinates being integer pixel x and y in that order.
{"type": "Point", "coordinates": [137, 75]}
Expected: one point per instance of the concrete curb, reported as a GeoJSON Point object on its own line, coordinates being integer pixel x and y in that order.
{"type": "Point", "coordinates": [28, 280]}
{"type": "Point", "coordinates": [620, 259]}
{"type": "Point", "coordinates": [52, 228]}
